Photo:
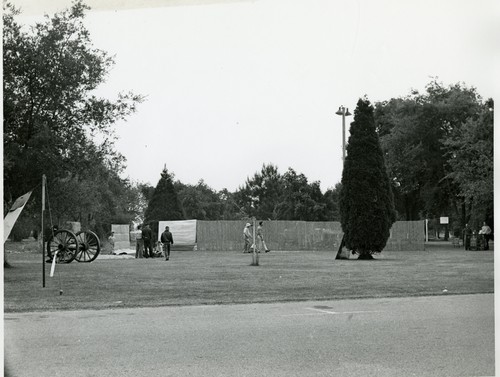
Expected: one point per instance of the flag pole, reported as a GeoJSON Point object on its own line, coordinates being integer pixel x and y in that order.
{"type": "Point", "coordinates": [42, 231]}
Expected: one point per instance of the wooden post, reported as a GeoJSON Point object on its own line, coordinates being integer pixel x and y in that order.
{"type": "Point", "coordinates": [42, 232]}
{"type": "Point", "coordinates": [255, 255]}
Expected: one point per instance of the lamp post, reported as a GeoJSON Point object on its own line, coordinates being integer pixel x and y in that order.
{"type": "Point", "coordinates": [345, 113]}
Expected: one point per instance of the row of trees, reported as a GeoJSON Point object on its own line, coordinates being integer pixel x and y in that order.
{"type": "Point", "coordinates": [437, 146]}
{"type": "Point", "coordinates": [267, 195]}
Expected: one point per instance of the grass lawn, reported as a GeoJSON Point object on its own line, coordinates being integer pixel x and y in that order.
{"type": "Point", "coordinates": [200, 277]}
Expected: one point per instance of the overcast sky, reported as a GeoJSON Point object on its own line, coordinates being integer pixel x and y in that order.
{"type": "Point", "coordinates": [233, 85]}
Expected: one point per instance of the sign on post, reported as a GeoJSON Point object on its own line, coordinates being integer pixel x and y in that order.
{"type": "Point", "coordinates": [444, 221]}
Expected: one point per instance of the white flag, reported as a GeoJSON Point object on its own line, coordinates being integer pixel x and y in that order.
{"type": "Point", "coordinates": [14, 212]}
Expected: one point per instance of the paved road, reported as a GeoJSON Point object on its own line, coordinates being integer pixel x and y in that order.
{"type": "Point", "coordinates": [422, 336]}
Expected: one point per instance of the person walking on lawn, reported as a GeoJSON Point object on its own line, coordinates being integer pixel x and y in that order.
{"type": "Point", "coordinates": [260, 238]}
{"type": "Point", "coordinates": [247, 236]}
{"type": "Point", "coordinates": [166, 240]}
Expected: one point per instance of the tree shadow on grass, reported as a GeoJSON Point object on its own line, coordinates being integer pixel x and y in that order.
{"type": "Point", "coordinates": [354, 258]}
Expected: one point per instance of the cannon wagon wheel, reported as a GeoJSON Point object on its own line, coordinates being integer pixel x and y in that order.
{"type": "Point", "coordinates": [66, 245]}
{"type": "Point", "coordinates": [88, 246]}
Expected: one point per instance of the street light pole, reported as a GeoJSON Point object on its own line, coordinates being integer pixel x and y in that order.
{"type": "Point", "coordinates": [343, 253]}
{"type": "Point", "coordinates": [344, 112]}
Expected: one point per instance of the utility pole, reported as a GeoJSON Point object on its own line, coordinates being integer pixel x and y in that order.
{"type": "Point", "coordinates": [344, 113]}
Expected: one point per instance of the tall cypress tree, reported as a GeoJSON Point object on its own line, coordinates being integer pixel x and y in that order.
{"type": "Point", "coordinates": [366, 202]}
{"type": "Point", "coordinates": [164, 204]}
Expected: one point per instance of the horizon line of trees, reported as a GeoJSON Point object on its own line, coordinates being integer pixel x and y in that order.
{"type": "Point", "coordinates": [437, 147]}
{"type": "Point", "coordinates": [268, 194]}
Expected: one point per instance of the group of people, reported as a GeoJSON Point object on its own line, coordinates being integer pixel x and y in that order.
{"type": "Point", "coordinates": [480, 239]}
{"type": "Point", "coordinates": [248, 238]}
{"type": "Point", "coordinates": [144, 243]}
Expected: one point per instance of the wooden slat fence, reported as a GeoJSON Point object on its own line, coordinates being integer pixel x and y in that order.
{"type": "Point", "coordinates": [300, 235]}
{"type": "Point", "coordinates": [407, 236]}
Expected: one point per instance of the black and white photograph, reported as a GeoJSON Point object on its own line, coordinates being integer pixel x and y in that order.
{"type": "Point", "coordinates": [309, 185]}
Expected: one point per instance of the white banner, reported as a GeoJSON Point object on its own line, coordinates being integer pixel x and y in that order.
{"type": "Point", "coordinates": [183, 231]}
{"type": "Point", "coordinates": [11, 217]}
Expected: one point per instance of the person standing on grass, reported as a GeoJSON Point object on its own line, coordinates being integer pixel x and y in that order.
{"type": "Point", "coordinates": [147, 238]}
{"type": "Point", "coordinates": [486, 232]}
{"type": "Point", "coordinates": [260, 238]}
{"type": "Point", "coordinates": [247, 236]}
{"type": "Point", "coordinates": [467, 236]}
{"type": "Point", "coordinates": [139, 244]}
{"type": "Point", "coordinates": [166, 239]}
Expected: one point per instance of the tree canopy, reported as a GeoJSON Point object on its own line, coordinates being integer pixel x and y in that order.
{"type": "Point", "coordinates": [470, 156]}
{"type": "Point", "coordinates": [53, 121]}
{"type": "Point", "coordinates": [164, 203]}
{"type": "Point", "coordinates": [289, 196]}
{"type": "Point", "coordinates": [199, 201]}
{"type": "Point", "coordinates": [423, 137]}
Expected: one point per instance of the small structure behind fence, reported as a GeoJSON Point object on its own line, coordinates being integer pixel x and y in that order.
{"type": "Point", "coordinates": [122, 237]}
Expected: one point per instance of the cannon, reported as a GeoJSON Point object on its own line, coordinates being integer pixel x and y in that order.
{"type": "Point", "coordinates": [83, 246]}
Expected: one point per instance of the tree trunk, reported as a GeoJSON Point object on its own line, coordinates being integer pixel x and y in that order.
{"type": "Point", "coordinates": [365, 255]}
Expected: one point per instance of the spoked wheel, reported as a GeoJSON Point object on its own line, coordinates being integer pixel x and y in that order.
{"type": "Point", "coordinates": [66, 245]}
{"type": "Point", "coordinates": [88, 246]}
